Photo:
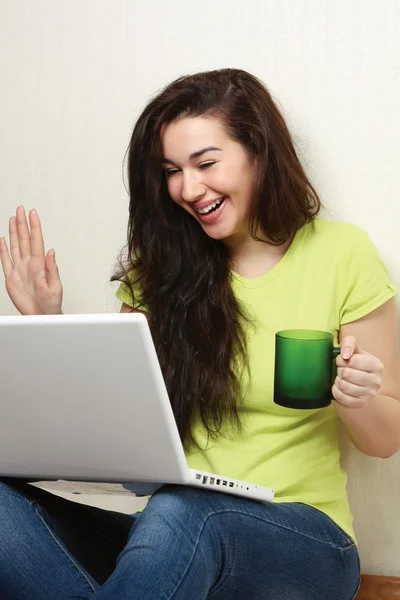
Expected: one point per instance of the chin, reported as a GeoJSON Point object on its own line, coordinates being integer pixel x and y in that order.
{"type": "Point", "coordinates": [217, 234]}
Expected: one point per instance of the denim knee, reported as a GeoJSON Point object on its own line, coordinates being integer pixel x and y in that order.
{"type": "Point", "coordinates": [176, 513]}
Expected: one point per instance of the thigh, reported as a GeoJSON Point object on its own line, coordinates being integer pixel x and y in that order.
{"type": "Point", "coordinates": [257, 551]}
{"type": "Point", "coordinates": [284, 552]}
{"type": "Point", "coordinates": [95, 537]}
{"type": "Point", "coordinates": [40, 527]}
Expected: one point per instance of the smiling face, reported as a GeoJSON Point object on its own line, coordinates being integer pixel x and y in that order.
{"type": "Point", "coordinates": [209, 175]}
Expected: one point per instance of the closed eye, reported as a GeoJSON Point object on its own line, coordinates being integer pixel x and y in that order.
{"type": "Point", "coordinates": [205, 165]}
{"type": "Point", "coordinates": [170, 172]}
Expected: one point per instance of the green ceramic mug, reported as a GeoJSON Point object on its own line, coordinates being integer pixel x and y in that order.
{"type": "Point", "coordinates": [304, 368]}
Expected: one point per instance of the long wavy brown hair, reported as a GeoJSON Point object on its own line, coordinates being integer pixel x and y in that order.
{"type": "Point", "coordinates": [179, 275]}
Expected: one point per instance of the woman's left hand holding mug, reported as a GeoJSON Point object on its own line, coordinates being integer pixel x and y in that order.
{"type": "Point", "coordinates": [359, 375]}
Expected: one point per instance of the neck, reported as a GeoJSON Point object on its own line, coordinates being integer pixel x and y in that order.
{"type": "Point", "coordinates": [251, 258]}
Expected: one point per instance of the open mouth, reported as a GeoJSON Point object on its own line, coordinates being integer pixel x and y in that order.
{"type": "Point", "coordinates": [211, 207]}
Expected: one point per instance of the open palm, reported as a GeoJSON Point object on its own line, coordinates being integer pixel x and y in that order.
{"type": "Point", "coordinates": [32, 278]}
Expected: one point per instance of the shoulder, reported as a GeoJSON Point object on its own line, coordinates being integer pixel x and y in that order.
{"type": "Point", "coordinates": [336, 229]}
{"type": "Point", "coordinates": [334, 236]}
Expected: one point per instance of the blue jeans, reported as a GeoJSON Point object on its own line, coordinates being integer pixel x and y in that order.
{"type": "Point", "coordinates": [186, 544]}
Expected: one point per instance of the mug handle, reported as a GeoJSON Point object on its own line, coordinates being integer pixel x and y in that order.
{"type": "Point", "coordinates": [335, 353]}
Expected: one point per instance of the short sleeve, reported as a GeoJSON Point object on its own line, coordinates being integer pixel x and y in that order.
{"type": "Point", "coordinates": [365, 280]}
{"type": "Point", "coordinates": [124, 294]}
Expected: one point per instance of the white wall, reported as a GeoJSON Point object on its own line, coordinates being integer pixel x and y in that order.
{"type": "Point", "coordinates": [76, 74]}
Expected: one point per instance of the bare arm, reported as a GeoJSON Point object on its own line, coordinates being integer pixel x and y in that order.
{"type": "Point", "coordinates": [373, 423]}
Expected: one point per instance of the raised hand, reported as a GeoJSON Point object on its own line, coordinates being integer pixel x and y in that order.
{"type": "Point", "coordinates": [31, 276]}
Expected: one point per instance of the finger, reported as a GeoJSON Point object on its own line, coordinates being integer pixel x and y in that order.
{"type": "Point", "coordinates": [346, 400]}
{"type": "Point", "coordinates": [361, 362]}
{"type": "Point", "coordinates": [14, 242]}
{"type": "Point", "coordinates": [53, 276]}
{"type": "Point", "coordinates": [37, 243]}
{"type": "Point", "coordinates": [354, 376]}
{"type": "Point", "coordinates": [348, 346]}
{"type": "Point", "coordinates": [6, 261]}
{"type": "Point", "coordinates": [350, 389]}
{"type": "Point", "coordinates": [24, 236]}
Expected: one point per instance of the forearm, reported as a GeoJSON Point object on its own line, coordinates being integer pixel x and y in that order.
{"type": "Point", "coordinates": [375, 429]}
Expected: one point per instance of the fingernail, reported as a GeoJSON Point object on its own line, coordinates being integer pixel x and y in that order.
{"type": "Point", "coordinates": [345, 353]}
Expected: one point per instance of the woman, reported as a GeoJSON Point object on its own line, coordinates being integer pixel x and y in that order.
{"type": "Point", "coordinates": [224, 249]}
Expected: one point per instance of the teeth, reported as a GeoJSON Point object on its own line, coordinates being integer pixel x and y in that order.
{"type": "Point", "coordinates": [206, 209]}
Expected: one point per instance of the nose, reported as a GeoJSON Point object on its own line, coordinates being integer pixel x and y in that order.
{"type": "Point", "coordinates": [192, 188]}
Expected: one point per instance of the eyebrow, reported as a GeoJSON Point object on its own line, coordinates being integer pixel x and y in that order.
{"type": "Point", "coordinates": [193, 155]}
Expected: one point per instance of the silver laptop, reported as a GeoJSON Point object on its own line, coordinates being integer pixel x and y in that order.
{"type": "Point", "coordinates": [83, 399]}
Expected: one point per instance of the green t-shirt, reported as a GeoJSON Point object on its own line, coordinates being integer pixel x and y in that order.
{"type": "Point", "coordinates": [330, 275]}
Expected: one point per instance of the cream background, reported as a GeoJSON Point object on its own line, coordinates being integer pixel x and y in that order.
{"type": "Point", "coordinates": [75, 76]}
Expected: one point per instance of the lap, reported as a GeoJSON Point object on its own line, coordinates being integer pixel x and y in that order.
{"type": "Point", "coordinates": [280, 549]}
{"type": "Point", "coordinates": [271, 550]}
{"type": "Point", "coordinates": [294, 517]}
